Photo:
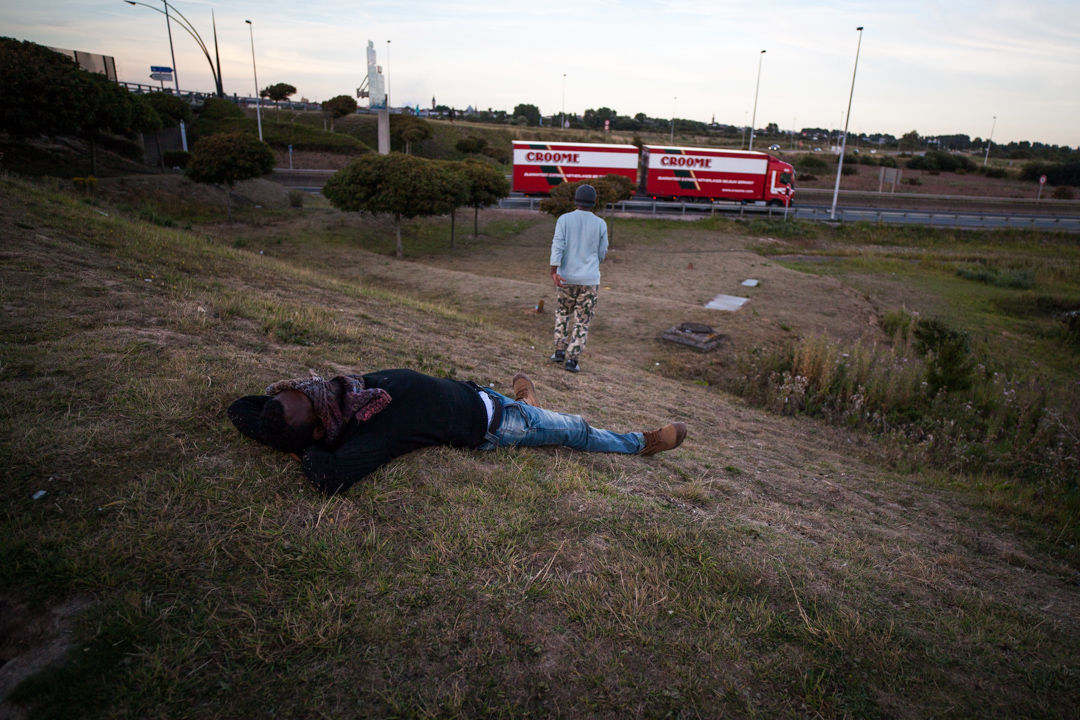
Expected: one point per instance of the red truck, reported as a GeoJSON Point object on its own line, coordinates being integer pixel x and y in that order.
{"type": "Point", "coordinates": [540, 166]}
{"type": "Point", "coordinates": [678, 173]}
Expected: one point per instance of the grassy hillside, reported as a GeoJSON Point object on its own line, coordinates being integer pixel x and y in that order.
{"type": "Point", "coordinates": [771, 567]}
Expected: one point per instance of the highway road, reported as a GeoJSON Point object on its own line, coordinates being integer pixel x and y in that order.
{"type": "Point", "coordinates": [313, 180]}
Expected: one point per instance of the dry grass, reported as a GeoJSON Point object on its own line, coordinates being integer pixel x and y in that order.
{"type": "Point", "coordinates": [764, 569]}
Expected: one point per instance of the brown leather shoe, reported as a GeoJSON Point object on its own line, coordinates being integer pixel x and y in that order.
{"type": "Point", "coordinates": [524, 390]}
{"type": "Point", "coordinates": [668, 437]}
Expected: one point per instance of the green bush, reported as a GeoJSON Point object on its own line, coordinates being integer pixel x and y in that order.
{"type": "Point", "coordinates": [1066, 173]}
{"type": "Point", "coordinates": [1063, 192]}
{"type": "Point", "coordinates": [994, 172]}
{"type": "Point", "coordinates": [811, 162]}
{"type": "Point", "coordinates": [471, 144]}
{"type": "Point", "coordinates": [849, 169]}
{"type": "Point", "coordinates": [941, 161]}
{"type": "Point", "coordinates": [171, 109]}
{"type": "Point", "coordinates": [947, 352]}
{"type": "Point", "coordinates": [220, 109]}
{"type": "Point", "coordinates": [887, 161]}
{"type": "Point", "coordinates": [282, 134]}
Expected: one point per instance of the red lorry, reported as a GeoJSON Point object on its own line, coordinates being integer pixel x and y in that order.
{"type": "Point", "coordinates": [677, 173]}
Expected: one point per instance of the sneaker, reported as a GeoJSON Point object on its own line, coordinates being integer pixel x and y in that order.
{"type": "Point", "coordinates": [571, 366]}
{"type": "Point", "coordinates": [524, 390]}
{"type": "Point", "coordinates": [559, 356]}
{"type": "Point", "coordinates": [668, 437]}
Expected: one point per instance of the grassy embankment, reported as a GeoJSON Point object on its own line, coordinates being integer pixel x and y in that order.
{"type": "Point", "coordinates": [762, 570]}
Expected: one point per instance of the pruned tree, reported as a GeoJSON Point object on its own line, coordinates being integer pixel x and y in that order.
{"type": "Point", "coordinates": [407, 129]}
{"type": "Point", "coordinates": [337, 107]}
{"type": "Point", "coordinates": [609, 189]}
{"type": "Point", "coordinates": [486, 186]}
{"type": "Point", "coordinates": [225, 159]}
{"type": "Point", "coordinates": [531, 113]}
{"type": "Point", "coordinates": [399, 185]}
{"type": "Point", "coordinates": [911, 141]}
{"type": "Point", "coordinates": [278, 91]}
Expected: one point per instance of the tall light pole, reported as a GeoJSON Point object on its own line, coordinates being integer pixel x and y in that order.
{"type": "Point", "coordinates": [562, 123]}
{"type": "Point", "coordinates": [793, 132]}
{"type": "Point", "coordinates": [258, 112]}
{"type": "Point", "coordinates": [172, 52]}
{"type": "Point", "coordinates": [847, 119]}
{"type": "Point", "coordinates": [187, 27]}
{"type": "Point", "coordinates": [988, 142]}
{"type": "Point", "coordinates": [388, 74]}
{"type": "Point", "coordinates": [742, 140]}
{"type": "Point", "coordinates": [673, 119]}
{"type": "Point", "coordinates": [753, 121]}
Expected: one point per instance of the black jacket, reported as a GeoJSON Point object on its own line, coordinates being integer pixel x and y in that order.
{"type": "Point", "coordinates": [423, 411]}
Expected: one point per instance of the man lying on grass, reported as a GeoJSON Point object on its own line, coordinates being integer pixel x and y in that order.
{"type": "Point", "coordinates": [346, 428]}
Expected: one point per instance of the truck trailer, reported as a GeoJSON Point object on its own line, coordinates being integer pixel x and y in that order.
{"type": "Point", "coordinates": [707, 174]}
{"type": "Point", "coordinates": [540, 166]}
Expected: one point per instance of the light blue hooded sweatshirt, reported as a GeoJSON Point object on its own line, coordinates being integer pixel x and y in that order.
{"type": "Point", "coordinates": [579, 246]}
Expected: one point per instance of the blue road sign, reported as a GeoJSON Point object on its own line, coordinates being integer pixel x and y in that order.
{"type": "Point", "coordinates": [156, 68]}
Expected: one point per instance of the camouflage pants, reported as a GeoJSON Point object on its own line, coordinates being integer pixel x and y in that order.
{"type": "Point", "coordinates": [575, 310]}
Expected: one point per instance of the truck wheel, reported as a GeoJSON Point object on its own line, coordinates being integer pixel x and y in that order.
{"type": "Point", "coordinates": [775, 203]}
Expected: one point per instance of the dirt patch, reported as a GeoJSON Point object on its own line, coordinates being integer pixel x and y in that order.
{"type": "Point", "coordinates": [32, 639]}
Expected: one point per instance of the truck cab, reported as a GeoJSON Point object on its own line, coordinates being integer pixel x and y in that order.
{"type": "Point", "coordinates": [779, 183]}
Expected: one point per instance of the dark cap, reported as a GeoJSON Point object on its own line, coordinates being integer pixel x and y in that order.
{"type": "Point", "coordinates": [585, 195]}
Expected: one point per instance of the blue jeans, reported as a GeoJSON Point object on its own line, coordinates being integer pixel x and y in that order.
{"type": "Point", "coordinates": [530, 426]}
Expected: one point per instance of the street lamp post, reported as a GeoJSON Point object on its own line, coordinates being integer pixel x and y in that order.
{"type": "Point", "coordinates": [258, 112]}
{"type": "Point", "coordinates": [673, 119]}
{"type": "Point", "coordinates": [388, 74]}
{"type": "Point", "coordinates": [989, 141]}
{"type": "Point", "coordinates": [742, 140]}
{"type": "Point", "coordinates": [793, 132]}
{"type": "Point", "coordinates": [753, 120]}
{"type": "Point", "coordinates": [847, 119]}
{"type": "Point", "coordinates": [168, 25]}
{"type": "Point", "coordinates": [184, 23]}
{"type": "Point", "coordinates": [562, 123]}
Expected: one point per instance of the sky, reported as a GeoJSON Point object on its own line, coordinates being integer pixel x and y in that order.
{"type": "Point", "coordinates": [935, 67]}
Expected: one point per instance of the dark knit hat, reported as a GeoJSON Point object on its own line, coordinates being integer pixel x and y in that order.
{"type": "Point", "coordinates": [585, 195]}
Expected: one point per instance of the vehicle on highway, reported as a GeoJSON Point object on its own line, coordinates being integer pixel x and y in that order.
{"type": "Point", "coordinates": [774, 147]}
{"type": "Point", "coordinates": [658, 171]}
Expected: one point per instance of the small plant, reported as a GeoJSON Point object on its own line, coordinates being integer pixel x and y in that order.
{"type": "Point", "coordinates": [994, 172]}
{"type": "Point", "coordinates": [296, 198]}
{"type": "Point", "coordinates": [913, 181]}
{"type": "Point", "coordinates": [1021, 279]}
{"type": "Point", "coordinates": [897, 324]}
{"type": "Point", "coordinates": [86, 185]}
{"type": "Point", "coordinates": [1063, 192]}
{"type": "Point", "coordinates": [947, 353]}
{"type": "Point", "coordinates": [812, 162]}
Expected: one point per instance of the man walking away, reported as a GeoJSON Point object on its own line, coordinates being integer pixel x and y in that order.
{"type": "Point", "coordinates": [578, 248]}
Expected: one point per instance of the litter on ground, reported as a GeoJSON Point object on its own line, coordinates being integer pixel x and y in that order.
{"type": "Point", "coordinates": [726, 302]}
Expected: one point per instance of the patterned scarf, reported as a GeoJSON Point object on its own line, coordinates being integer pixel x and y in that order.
{"type": "Point", "coordinates": [336, 401]}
